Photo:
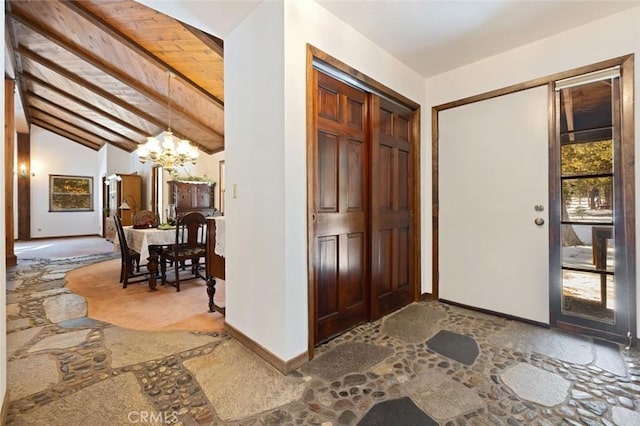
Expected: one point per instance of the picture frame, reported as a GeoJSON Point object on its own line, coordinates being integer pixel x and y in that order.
{"type": "Point", "coordinates": [70, 193]}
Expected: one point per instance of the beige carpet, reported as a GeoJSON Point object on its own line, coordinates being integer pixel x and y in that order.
{"type": "Point", "coordinates": [140, 309]}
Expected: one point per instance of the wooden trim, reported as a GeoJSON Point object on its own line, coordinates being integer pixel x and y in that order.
{"type": "Point", "coordinates": [98, 22]}
{"type": "Point", "coordinates": [9, 176]}
{"type": "Point", "coordinates": [368, 81]}
{"type": "Point", "coordinates": [285, 367]}
{"type": "Point", "coordinates": [555, 207]}
{"type": "Point", "coordinates": [417, 212]}
{"type": "Point", "coordinates": [542, 81]}
{"type": "Point", "coordinates": [627, 156]}
{"type": "Point", "coordinates": [494, 313]}
{"type": "Point", "coordinates": [65, 237]}
{"type": "Point", "coordinates": [311, 190]}
{"type": "Point", "coordinates": [435, 206]}
{"type": "Point", "coordinates": [111, 71]}
{"type": "Point", "coordinates": [5, 407]}
{"type": "Point", "coordinates": [212, 42]}
{"type": "Point", "coordinates": [24, 187]}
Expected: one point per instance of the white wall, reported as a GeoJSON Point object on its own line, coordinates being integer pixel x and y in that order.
{"type": "Point", "coordinates": [265, 85]}
{"type": "Point", "coordinates": [256, 273]}
{"type": "Point", "coordinates": [607, 38]}
{"type": "Point", "coordinates": [53, 154]}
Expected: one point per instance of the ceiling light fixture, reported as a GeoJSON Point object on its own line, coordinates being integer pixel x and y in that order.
{"type": "Point", "coordinates": [165, 149]}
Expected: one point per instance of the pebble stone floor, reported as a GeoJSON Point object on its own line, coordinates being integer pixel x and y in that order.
{"type": "Point", "coordinates": [430, 363]}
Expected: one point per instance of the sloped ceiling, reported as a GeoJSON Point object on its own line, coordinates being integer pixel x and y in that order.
{"type": "Point", "coordinates": [116, 71]}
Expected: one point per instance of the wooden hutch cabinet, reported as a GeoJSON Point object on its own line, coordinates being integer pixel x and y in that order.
{"type": "Point", "coordinates": [192, 197]}
{"type": "Point", "coordinates": [121, 188]}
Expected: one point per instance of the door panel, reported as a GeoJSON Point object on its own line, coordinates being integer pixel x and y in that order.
{"type": "Point", "coordinates": [341, 203]}
{"type": "Point", "coordinates": [392, 244]}
{"type": "Point", "coordinates": [493, 170]}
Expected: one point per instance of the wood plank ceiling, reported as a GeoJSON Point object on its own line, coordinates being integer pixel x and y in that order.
{"type": "Point", "coordinates": [98, 72]}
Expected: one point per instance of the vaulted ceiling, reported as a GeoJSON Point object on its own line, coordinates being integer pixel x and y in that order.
{"type": "Point", "coordinates": [116, 72]}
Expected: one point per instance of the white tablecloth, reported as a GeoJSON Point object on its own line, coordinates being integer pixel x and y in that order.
{"type": "Point", "coordinates": [219, 247]}
{"type": "Point", "coordinates": [141, 239]}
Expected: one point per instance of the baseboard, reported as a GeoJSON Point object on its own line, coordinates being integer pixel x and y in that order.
{"type": "Point", "coordinates": [5, 408]}
{"type": "Point", "coordinates": [426, 296]}
{"type": "Point", "coordinates": [497, 314]}
{"type": "Point", "coordinates": [285, 367]}
{"type": "Point", "coordinates": [60, 237]}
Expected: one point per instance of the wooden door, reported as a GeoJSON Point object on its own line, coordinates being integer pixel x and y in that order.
{"type": "Point", "coordinates": [392, 207]}
{"type": "Point", "coordinates": [340, 206]}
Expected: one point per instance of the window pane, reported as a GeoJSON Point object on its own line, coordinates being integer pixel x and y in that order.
{"type": "Point", "coordinates": [587, 200]}
{"type": "Point", "coordinates": [587, 158]}
{"type": "Point", "coordinates": [578, 242]}
{"type": "Point", "coordinates": [588, 295]}
{"type": "Point", "coordinates": [594, 135]}
{"type": "Point", "coordinates": [587, 106]}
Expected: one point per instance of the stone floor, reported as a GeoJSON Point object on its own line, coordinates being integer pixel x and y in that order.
{"type": "Point", "coordinates": [427, 364]}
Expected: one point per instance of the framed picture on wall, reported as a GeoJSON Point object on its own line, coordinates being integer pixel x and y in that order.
{"type": "Point", "coordinates": [70, 193]}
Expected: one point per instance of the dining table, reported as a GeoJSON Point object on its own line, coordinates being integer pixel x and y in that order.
{"type": "Point", "coordinates": [149, 243]}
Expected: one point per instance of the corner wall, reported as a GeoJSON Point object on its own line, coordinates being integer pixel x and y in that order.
{"type": "Point", "coordinates": [53, 154]}
{"type": "Point", "coordinates": [607, 38]}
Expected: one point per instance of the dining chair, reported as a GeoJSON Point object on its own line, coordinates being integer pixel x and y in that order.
{"type": "Point", "coordinates": [190, 244]}
{"type": "Point", "coordinates": [144, 219]}
{"type": "Point", "coordinates": [130, 259]}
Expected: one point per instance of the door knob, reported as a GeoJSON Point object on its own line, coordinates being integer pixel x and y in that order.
{"type": "Point", "coordinates": [539, 221]}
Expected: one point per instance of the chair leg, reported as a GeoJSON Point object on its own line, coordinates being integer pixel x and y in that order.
{"type": "Point", "coordinates": [127, 271]}
{"type": "Point", "coordinates": [177, 276]}
{"type": "Point", "coordinates": [121, 271]}
{"type": "Point", "coordinates": [163, 270]}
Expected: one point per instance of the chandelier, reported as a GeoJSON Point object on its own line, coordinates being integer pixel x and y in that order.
{"type": "Point", "coordinates": [165, 149]}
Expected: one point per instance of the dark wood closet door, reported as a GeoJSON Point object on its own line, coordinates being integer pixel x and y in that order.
{"type": "Point", "coordinates": [340, 212]}
{"type": "Point", "coordinates": [392, 200]}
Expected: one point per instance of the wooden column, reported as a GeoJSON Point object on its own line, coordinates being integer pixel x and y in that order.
{"type": "Point", "coordinates": [24, 187]}
{"type": "Point", "coordinates": [9, 130]}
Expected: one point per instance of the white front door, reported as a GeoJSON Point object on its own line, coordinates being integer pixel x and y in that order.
{"type": "Point", "coordinates": [493, 186]}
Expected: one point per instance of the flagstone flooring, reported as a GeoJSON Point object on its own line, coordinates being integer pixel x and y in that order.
{"type": "Point", "coordinates": [428, 364]}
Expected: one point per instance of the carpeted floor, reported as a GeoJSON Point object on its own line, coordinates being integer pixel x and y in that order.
{"type": "Point", "coordinates": [140, 309]}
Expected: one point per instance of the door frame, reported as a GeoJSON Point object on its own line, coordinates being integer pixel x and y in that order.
{"type": "Point", "coordinates": [626, 64]}
{"type": "Point", "coordinates": [349, 75]}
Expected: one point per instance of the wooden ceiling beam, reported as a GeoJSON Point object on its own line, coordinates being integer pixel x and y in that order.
{"type": "Point", "coordinates": [98, 91]}
{"type": "Point", "coordinates": [38, 81]}
{"type": "Point", "coordinates": [17, 64]}
{"type": "Point", "coordinates": [63, 121]}
{"type": "Point", "coordinates": [214, 43]}
{"type": "Point", "coordinates": [57, 130]}
{"type": "Point", "coordinates": [74, 114]}
{"type": "Point", "coordinates": [109, 70]}
{"type": "Point", "coordinates": [78, 129]}
{"type": "Point", "coordinates": [77, 7]}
